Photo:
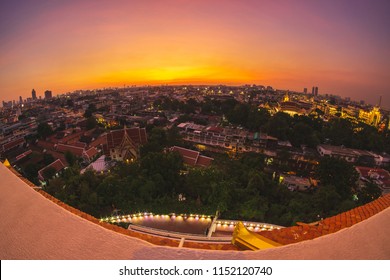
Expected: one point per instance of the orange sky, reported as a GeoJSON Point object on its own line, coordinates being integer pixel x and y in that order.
{"type": "Point", "coordinates": [68, 45]}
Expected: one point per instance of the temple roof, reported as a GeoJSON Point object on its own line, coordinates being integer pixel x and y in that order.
{"type": "Point", "coordinates": [115, 138]}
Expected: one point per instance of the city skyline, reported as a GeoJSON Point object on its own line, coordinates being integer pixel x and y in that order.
{"type": "Point", "coordinates": [339, 48]}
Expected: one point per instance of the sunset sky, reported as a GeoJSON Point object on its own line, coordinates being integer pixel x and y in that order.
{"type": "Point", "coordinates": [343, 47]}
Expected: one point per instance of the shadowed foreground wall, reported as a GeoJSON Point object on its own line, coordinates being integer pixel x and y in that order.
{"type": "Point", "coordinates": [33, 227]}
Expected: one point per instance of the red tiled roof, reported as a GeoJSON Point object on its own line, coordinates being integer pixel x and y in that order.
{"type": "Point", "coordinates": [192, 157]}
{"type": "Point", "coordinates": [366, 171]}
{"type": "Point", "coordinates": [204, 161]}
{"type": "Point", "coordinates": [57, 165]}
{"type": "Point", "coordinates": [114, 137]}
{"type": "Point", "coordinates": [215, 129]}
{"type": "Point", "coordinates": [379, 174]}
{"type": "Point", "coordinates": [26, 153]}
{"type": "Point", "coordinates": [45, 144]}
{"type": "Point", "coordinates": [329, 225]}
{"type": "Point", "coordinates": [13, 144]}
{"type": "Point", "coordinates": [73, 149]}
{"type": "Point", "coordinates": [91, 152]}
{"type": "Point", "coordinates": [101, 140]}
{"type": "Point", "coordinates": [79, 144]}
{"type": "Point", "coordinates": [69, 138]}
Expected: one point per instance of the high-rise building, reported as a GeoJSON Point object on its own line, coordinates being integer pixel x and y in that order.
{"type": "Point", "coordinates": [20, 100]}
{"type": "Point", "coordinates": [305, 90]}
{"type": "Point", "coordinates": [314, 91]}
{"type": "Point", "coordinates": [48, 94]}
{"type": "Point", "coordinates": [34, 94]}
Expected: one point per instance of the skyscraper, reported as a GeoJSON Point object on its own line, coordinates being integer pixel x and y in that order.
{"type": "Point", "coordinates": [34, 94]}
{"type": "Point", "coordinates": [20, 100]}
{"type": "Point", "coordinates": [312, 90]}
{"type": "Point", "coordinates": [316, 91]}
{"type": "Point", "coordinates": [48, 94]}
{"type": "Point", "coordinates": [305, 90]}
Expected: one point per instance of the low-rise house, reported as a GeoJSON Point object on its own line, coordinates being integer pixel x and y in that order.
{"type": "Point", "coordinates": [295, 183]}
{"type": "Point", "coordinates": [89, 154]}
{"type": "Point", "coordinates": [379, 176]}
{"type": "Point", "coordinates": [56, 165]}
{"type": "Point", "coordinates": [350, 155]}
{"type": "Point", "coordinates": [77, 151]}
{"type": "Point", "coordinates": [100, 165]}
{"type": "Point", "coordinates": [193, 158]}
{"type": "Point", "coordinates": [13, 144]}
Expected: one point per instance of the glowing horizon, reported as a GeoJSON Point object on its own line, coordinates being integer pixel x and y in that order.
{"type": "Point", "coordinates": [67, 45]}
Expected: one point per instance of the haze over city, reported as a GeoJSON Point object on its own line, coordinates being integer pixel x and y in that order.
{"type": "Point", "coordinates": [343, 47]}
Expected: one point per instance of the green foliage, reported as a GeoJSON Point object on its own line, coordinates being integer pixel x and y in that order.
{"type": "Point", "coordinates": [279, 126]}
{"type": "Point", "coordinates": [91, 109]}
{"type": "Point", "coordinates": [47, 158]}
{"type": "Point", "coordinates": [49, 173]}
{"type": "Point", "coordinates": [368, 193]}
{"type": "Point", "coordinates": [91, 122]}
{"type": "Point", "coordinates": [70, 158]}
{"type": "Point", "coordinates": [339, 131]}
{"type": "Point", "coordinates": [338, 173]}
{"type": "Point", "coordinates": [44, 130]}
{"type": "Point", "coordinates": [31, 171]}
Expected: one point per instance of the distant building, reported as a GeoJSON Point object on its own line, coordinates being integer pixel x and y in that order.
{"type": "Point", "coordinates": [305, 90]}
{"type": "Point", "coordinates": [20, 100]}
{"type": "Point", "coordinates": [48, 94]}
{"type": "Point", "coordinates": [33, 94]}
{"type": "Point", "coordinates": [350, 155]}
{"type": "Point", "coordinates": [314, 91]}
{"type": "Point", "coordinates": [372, 117]}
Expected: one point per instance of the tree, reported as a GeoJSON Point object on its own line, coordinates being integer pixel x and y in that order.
{"type": "Point", "coordinates": [44, 130]}
{"type": "Point", "coordinates": [338, 173]}
{"type": "Point", "coordinates": [220, 196]}
{"type": "Point", "coordinates": [31, 171]}
{"type": "Point", "coordinates": [70, 158]}
{"type": "Point", "coordinates": [239, 114]}
{"type": "Point", "coordinates": [369, 193]}
{"type": "Point", "coordinates": [91, 122]}
{"type": "Point", "coordinates": [300, 133]}
{"type": "Point", "coordinates": [326, 199]}
{"type": "Point", "coordinates": [91, 109]}
{"type": "Point", "coordinates": [339, 132]}
{"type": "Point", "coordinates": [279, 125]}
{"type": "Point", "coordinates": [47, 159]}
{"type": "Point", "coordinates": [257, 118]}
{"type": "Point", "coordinates": [49, 172]}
